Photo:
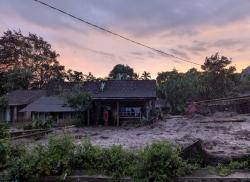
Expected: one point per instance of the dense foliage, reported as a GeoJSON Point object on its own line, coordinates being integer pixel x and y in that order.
{"type": "Point", "coordinates": [27, 61]}
{"type": "Point", "coordinates": [51, 160]}
{"type": "Point", "coordinates": [79, 100]}
{"type": "Point", "coordinates": [161, 162]}
{"type": "Point", "coordinates": [4, 149]}
{"type": "Point", "coordinates": [218, 79]}
{"type": "Point", "coordinates": [3, 131]}
{"type": "Point", "coordinates": [225, 170]}
{"type": "Point", "coordinates": [40, 124]}
{"type": "Point", "coordinates": [158, 162]}
{"type": "Point", "coordinates": [122, 72]}
{"type": "Point", "coordinates": [76, 76]}
{"type": "Point", "coordinates": [118, 162]}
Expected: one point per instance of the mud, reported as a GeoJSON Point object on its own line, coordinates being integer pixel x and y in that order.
{"type": "Point", "coordinates": [223, 138]}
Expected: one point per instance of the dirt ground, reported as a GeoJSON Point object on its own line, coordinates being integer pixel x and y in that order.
{"type": "Point", "coordinates": [222, 133]}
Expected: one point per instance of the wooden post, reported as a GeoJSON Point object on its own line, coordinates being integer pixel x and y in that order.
{"type": "Point", "coordinates": [88, 117]}
{"type": "Point", "coordinates": [57, 117]}
{"type": "Point", "coordinates": [15, 114]}
{"type": "Point", "coordinates": [153, 106]}
{"type": "Point", "coordinates": [147, 109]}
{"type": "Point", "coordinates": [7, 116]}
{"type": "Point", "coordinates": [117, 113]}
{"type": "Point", "coordinates": [32, 116]}
{"type": "Point", "coordinates": [98, 111]}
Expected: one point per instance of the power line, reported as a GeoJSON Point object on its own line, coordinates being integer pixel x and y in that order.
{"type": "Point", "coordinates": [116, 34]}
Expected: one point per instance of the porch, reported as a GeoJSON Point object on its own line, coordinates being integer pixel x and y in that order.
{"type": "Point", "coordinates": [117, 111]}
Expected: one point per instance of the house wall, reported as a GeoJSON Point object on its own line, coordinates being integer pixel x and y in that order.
{"type": "Point", "coordinates": [12, 114]}
{"type": "Point", "coordinates": [59, 118]}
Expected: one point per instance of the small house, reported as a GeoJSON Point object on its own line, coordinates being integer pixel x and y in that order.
{"type": "Point", "coordinates": [51, 108]}
{"type": "Point", "coordinates": [113, 101]}
{"type": "Point", "coordinates": [18, 100]}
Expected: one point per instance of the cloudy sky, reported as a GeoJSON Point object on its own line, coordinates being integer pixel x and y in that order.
{"type": "Point", "coordinates": [190, 29]}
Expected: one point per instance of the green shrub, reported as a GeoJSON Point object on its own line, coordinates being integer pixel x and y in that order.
{"type": "Point", "coordinates": [161, 162]}
{"type": "Point", "coordinates": [9, 152]}
{"type": "Point", "coordinates": [25, 167]}
{"type": "Point", "coordinates": [39, 124]}
{"type": "Point", "coordinates": [3, 130]}
{"type": "Point", "coordinates": [116, 162]}
{"type": "Point", "coordinates": [4, 152]}
{"type": "Point", "coordinates": [56, 159]}
{"type": "Point", "coordinates": [86, 156]}
{"type": "Point", "coordinates": [225, 170]}
{"type": "Point", "coordinates": [51, 160]}
{"type": "Point", "coordinates": [157, 162]}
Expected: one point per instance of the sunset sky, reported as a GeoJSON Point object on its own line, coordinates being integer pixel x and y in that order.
{"type": "Point", "coordinates": [190, 29]}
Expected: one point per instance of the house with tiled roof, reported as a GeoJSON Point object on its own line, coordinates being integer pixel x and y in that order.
{"type": "Point", "coordinates": [113, 101]}
{"type": "Point", "coordinates": [18, 100]}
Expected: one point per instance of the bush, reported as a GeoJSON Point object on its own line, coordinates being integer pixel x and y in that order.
{"type": "Point", "coordinates": [225, 170]}
{"type": "Point", "coordinates": [39, 124]}
{"type": "Point", "coordinates": [51, 160]}
{"type": "Point", "coordinates": [114, 161]}
{"type": "Point", "coordinates": [161, 162]}
{"type": "Point", "coordinates": [56, 159]}
{"type": "Point", "coordinates": [158, 162]}
{"type": "Point", "coordinates": [86, 156]}
{"type": "Point", "coordinates": [4, 131]}
{"type": "Point", "coordinates": [4, 152]}
{"type": "Point", "coordinates": [9, 151]}
{"type": "Point", "coordinates": [25, 166]}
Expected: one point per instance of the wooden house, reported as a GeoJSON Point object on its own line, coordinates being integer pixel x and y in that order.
{"type": "Point", "coordinates": [113, 101]}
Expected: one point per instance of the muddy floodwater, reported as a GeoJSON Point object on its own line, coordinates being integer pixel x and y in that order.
{"type": "Point", "coordinates": [221, 133]}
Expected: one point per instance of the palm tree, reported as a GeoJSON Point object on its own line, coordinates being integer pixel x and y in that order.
{"type": "Point", "coordinates": [145, 75]}
{"type": "Point", "coordinates": [136, 76]}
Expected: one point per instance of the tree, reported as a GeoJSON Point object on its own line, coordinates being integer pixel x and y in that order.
{"type": "Point", "coordinates": [3, 80]}
{"type": "Point", "coordinates": [136, 76]}
{"type": "Point", "coordinates": [18, 79]}
{"type": "Point", "coordinates": [29, 54]}
{"type": "Point", "coordinates": [89, 77]}
{"type": "Point", "coordinates": [164, 76]}
{"type": "Point", "coordinates": [174, 87]}
{"type": "Point", "coordinates": [244, 82]}
{"type": "Point", "coordinates": [145, 76]}
{"type": "Point", "coordinates": [121, 72]}
{"type": "Point", "coordinates": [79, 100]}
{"type": "Point", "coordinates": [74, 76]}
{"type": "Point", "coordinates": [218, 79]}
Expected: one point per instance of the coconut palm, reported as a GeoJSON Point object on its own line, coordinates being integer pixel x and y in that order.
{"type": "Point", "coordinates": [145, 75]}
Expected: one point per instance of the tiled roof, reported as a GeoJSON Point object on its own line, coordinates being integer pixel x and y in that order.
{"type": "Point", "coordinates": [113, 89]}
{"type": "Point", "coordinates": [48, 104]}
{"type": "Point", "coordinates": [22, 97]}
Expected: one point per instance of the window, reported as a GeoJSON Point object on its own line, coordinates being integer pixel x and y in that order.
{"type": "Point", "coordinates": [132, 112]}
